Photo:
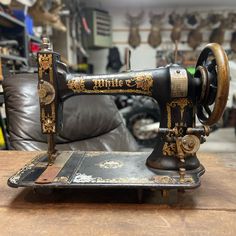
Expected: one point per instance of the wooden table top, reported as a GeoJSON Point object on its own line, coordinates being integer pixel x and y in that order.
{"type": "Point", "coordinates": [208, 210]}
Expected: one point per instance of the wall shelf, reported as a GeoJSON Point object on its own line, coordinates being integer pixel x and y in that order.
{"type": "Point", "coordinates": [9, 21]}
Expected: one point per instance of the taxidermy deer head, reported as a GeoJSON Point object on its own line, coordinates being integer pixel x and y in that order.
{"type": "Point", "coordinates": [134, 23]}
{"type": "Point", "coordinates": [192, 18]}
{"type": "Point", "coordinates": [218, 34]}
{"type": "Point", "coordinates": [177, 21]}
{"type": "Point", "coordinates": [195, 35]}
{"type": "Point", "coordinates": [233, 42]}
{"type": "Point", "coordinates": [44, 16]}
{"type": "Point", "coordinates": [154, 37]}
{"type": "Point", "coordinates": [232, 16]}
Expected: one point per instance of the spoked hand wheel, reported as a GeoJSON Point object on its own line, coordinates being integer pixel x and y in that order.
{"type": "Point", "coordinates": [213, 70]}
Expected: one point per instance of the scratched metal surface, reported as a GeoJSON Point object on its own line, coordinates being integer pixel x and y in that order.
{"type": "Point", "coordinates": [100, 169]}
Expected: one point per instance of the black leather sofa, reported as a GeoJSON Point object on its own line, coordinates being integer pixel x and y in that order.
{"type": "Point", "coordinates": [89, 122]}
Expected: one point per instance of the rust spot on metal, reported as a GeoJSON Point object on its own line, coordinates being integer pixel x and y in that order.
{"type": "Point", "coordinates": [53, 170]}
{"type": "Point", "coordinates": [48, 175]}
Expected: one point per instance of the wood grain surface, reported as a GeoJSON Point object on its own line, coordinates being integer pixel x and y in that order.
{"type": "Point", "coordinates": [208, 210]}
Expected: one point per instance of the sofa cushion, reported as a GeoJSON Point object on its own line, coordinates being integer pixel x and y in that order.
{"type": "Point", "coordinates": [87, 120]}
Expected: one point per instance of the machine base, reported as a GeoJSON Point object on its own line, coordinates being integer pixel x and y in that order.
{"type": "Point", "coordinates": [100, 169]}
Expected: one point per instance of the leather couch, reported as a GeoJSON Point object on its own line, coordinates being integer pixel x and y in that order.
{"type": "Point", "coordinates": [89, 122]}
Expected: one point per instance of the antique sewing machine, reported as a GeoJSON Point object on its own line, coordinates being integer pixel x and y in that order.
{"type": "Point", "coordinates": [173, 164]}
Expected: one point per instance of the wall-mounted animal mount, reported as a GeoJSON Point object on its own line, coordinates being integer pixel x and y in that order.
{"type": "Point", "coordinates": [214, 18]}
{"type": "Point", "coordinates": [232, 17]}
{"type": "Point", "coordinates": [154, 37]}
{"type": "Point", "coordinates": [218, 34]}
{"type": "Point", "coordinates": [195, 37]}
{"type": "Point", "coordinates": [134, 39]}
{"type": "Point", "coordinates": [47, 15]}
{"type": "Point", "coordinates": [192, 18]}
{"type": "Point", "coordinates": [233, 42]}
{"type": "Point", "coordinates": [177, 21]}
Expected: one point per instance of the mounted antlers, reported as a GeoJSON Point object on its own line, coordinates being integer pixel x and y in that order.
{"type": "Point", "coordinates": [154, 38]}
{"type": "Point", "coordinates": [134, 23]}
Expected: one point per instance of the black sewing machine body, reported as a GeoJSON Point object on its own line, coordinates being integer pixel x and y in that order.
{"type": "Point", "coordinates": [173, 162]}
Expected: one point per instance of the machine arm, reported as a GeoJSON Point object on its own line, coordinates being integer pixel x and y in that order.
{"type": "Point", "coordinates": [162, 84]}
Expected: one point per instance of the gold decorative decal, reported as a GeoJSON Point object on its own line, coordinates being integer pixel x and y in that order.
{"type": "Point", "coordinates": [76, 85]}
{"type": "Point", "coordinates": [182, 103]}
{"type": "Point", "coordinates": [45, 63]}
{"type": "Point", "coordinates": [140, 83]}
{"type": "Point", "coordinates": [169, 149]}
{"type": "Point", "coordinates": [48, 121]}
{"type": "Point", "coordinates": [109, 164]}
{"type": "Point", "coordinates": [107, 83]}
{"type": "Point", "coordinates": [48, 124]}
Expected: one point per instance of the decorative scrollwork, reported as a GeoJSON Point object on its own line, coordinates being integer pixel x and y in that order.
{"type": "Point", "coordinates": [110, 164]}
{"type": "Point", "coordinates": [141, 81]}
{"type": "Point", "coordinates": [48, 121]}
{"type": "Point", "coordinates": [181, 103]}
{"type": "Point", "coordinates": [77, 85]}
{"type": "Point", "coordinates": [45, 63]}
{"type": "Point", "coordinates": [169, 149]}
{"type": "Point", "coordinates": [164, 179]}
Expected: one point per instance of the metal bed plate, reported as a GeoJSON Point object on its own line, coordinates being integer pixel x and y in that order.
{"type": "Point", "coordinates": [100, 169]}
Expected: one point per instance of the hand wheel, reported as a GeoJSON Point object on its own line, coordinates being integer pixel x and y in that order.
{"type": "Point", "coordinates": [213, 70]}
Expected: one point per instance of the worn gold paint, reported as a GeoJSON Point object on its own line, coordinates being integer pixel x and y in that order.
{"type": "Point", "coordinates": [76, 85]}
{"type": "Point", "coordinates": [143, 81]}
{"type": "Point", "coordinates": [169, 149]}
{"type": "Point", "coordinates": [48, 121]}
{"type": "Point", "coordinates": [187, 180]}
{"type": "Point", "coordinates": [45, 61]}
{"type": "Point", "coordinates": [164, 179]}
{"type": "Point", "coordinates": [62, 179]}
{"type": "Point", "coordinates": [84, 178]}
